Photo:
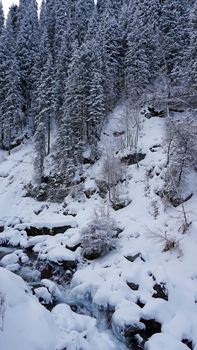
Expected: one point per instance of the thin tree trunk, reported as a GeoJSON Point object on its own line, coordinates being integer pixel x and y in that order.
{"type": "Point", "coordinates": [49, 136]}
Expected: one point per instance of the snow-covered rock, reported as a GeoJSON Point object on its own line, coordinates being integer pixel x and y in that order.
{"type": "Point", "coordinates": [24, 323]}
{"type": "Point", "coordinates": [164, 341]}
{"type": "Point", "coordinates": [126, 320]}
{"type": "Point", "coordinates": [79, 331]}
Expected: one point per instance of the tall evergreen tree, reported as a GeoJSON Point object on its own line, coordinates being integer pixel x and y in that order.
{"type": "Point", "coordinates": [173, 37]}
{"type": "Point", "coordinates": [62, 22]}
{"type": "Point", "coordinates": [83, 13]}
{"type": "Point", "coordinates": [109, 36]}
{"type": "Point", "coordinates": [39, 147]}
{"type": "Point", "coordinates": [42, 56]}
{"type": "Point", "coordinates": [11, 103]}
{"type": "Point", "coordinates": [96, 107]}
{"type": "Point", "coordinates": [45, 99]}
{"type": "Point", "coordinates": [49, 19]}
{"type": "Point", "coordinates": [27, 44]}
{"type": "Point", "coordinates": [192, 56]}
{"type": "Point", "coordinates": [61, 73]}
{"type": "Point", "coordinates": [137, 59]}
{"type": "Point", "coordinates": [1, 18]}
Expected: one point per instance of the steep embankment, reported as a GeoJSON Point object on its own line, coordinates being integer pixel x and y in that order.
{"type": "Point", "coordinates": [141, 289]}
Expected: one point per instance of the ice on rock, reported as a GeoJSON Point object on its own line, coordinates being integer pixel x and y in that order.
{"type": "Point", "coordinates": [127, 316]}
{"type": "Point", "coordinates": [79, 331]}
{"type": "Point", "coordinates": [60, 254]}
{"type": "Point", "coordinates": [14, 258]}
{"type": "Point", "coordinates": [43, 295]}
{"type": "Point", "coordinates": [9, 259]}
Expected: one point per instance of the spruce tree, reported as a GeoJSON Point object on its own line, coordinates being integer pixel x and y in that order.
{"type": "Point", "coordinates": [12, 106]}
{"type": "Point", "coordinates": [173, 38]}
{"type": "Point", "coordinates": [96, 108]}
{"type": "Point", "coordinates": [40, 152]}
{"type": "Point", "coordinates": [27, 45]}
{"type": "Point", "coordinates": [61, 73]}
{"type": "Point", "coordinates": [1, 18]}
{"type": "Point", "coordinates": [137, 61]}
{"type": "Point", "coordinates": [12, 120]}
{"type": "Point", "coordinates": [45, 99]}
{"type": "Point", "coordinates": [192, 56]}
{"type": "Point", "coordinates": [109, 37]}
{"type": "Point", "coordinates": [38, 70]}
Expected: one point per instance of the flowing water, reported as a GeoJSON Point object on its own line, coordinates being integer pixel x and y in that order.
{"type": "Point", "coordinates": [35, 270]}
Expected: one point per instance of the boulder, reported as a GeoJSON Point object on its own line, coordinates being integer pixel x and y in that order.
{"type": "Point", "coordinates": [160, 291]}
{"type": "Point", "coordinates": [132, 158]}
{"type": "Point", "coordinates": [133, 286]}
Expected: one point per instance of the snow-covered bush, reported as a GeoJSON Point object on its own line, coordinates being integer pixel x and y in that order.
{"type": "Point", "coordinates": [97, 236]}
{"type": "Point", "coordinates": [167, 239]}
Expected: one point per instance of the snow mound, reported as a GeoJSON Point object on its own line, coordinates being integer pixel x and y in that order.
{"type": "Point", "coordinates": [24, 323]}
{"type": "Point", "coordinates": [165, 342]}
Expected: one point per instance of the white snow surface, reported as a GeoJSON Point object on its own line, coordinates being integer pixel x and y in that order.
{"type": "Point", "coordinates": [103, 281]}
{"type": "Point", "coordinates": [24, 323]}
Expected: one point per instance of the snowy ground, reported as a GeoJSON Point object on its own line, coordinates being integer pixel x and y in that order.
{"type": "Point", "coordinates": [103, 282]}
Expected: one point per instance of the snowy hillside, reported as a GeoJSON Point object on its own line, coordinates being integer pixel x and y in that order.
{"type": "Point", "coordinates": [140, 295]}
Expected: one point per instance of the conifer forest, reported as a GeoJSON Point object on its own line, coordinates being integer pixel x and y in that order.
{"type": "Point", "coordinates": [98, 175]}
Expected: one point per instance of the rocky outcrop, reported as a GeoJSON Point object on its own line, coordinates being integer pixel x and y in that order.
{"type": "Point", "coordinates": [37, 231]}
{"type": "Point", "coordinates": [152, 113]}
{"type": "Point", "coordinates": [160, 291]}
{"type": "Point", "coordinates": [132, 158]}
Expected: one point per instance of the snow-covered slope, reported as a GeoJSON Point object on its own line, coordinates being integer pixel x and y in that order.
{"type": "Point", "coordinates": [136, 282]}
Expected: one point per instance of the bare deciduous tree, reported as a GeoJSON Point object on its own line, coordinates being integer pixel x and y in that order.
{"type": "Point", "coordinates": [114, 173]}
{"type": "Point", "coordinates": [130, 124]}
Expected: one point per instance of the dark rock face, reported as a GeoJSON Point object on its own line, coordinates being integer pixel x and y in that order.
{"type": "Point", "coordinates": [61, 272]}
{"type": "Point", "coordinates": [38, 211]}
{"type": "Point", "coordinates": [160, 291]}
{"type": "Point", "coordinates": [73, 248]}
{"type": "Point", "coordinates": [67, 212]}
{"type": "Point", "coordinates": [89, 160]}
{"type": "Point", "coordinates": [154, 148]}
{"type": "Point", "coordinates": [132, 330]}
{"type": "Point", "coordinates": [135, 335]}
{"type": "Point", "coordinates": [151, 327]}
{"type": "Point", "coordinates": [37, 231]}
{"type": "Point", "coordinates": [152, 112]}
{"type": "Point", "coordinates": [47, 272]}
{"type": "Point", "coordinates": [102, 188]}
{"type": "Point", "coordinates": [120, 205]}
{"type": "Point", "coordinates": [118, 133]}
{"type": "Point", "coordinates": [133, 158]}
{"type": "Point", "coordinates": [69, 264]}
{"type": "Point", "coordinates": [92, 255]}
{"type": "Point", "coordinates": [53, 188]}
{"type": "Point", "coordinates": [132, 258]}
{"type": "Point", "coordinates": [140, 303]}
{"type": "Point", "coordinates": [1, 229]}
{"type": "Point", "coordinates": [89, 193]}
{"type": "Point", "coordinates": [133, 286]}
{"type": "Point", "coordinates": [188, 343]}
{"type": "Point", "coordinates": [178, 201]}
